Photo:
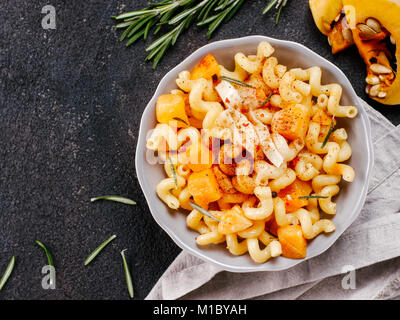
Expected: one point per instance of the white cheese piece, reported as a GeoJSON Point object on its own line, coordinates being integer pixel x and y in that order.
{"type": "Point", "coordinates": [229, 95]}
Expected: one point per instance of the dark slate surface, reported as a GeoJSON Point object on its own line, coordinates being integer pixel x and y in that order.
{"type": "Point", "coordinates": [70, 104]}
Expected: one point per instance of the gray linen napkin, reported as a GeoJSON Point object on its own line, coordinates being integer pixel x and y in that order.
{"type": "Point", "coordinates": [370, 246]}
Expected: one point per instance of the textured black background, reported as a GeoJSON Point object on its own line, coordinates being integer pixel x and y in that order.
{"type": "Point", "coordinates": [70, 104]}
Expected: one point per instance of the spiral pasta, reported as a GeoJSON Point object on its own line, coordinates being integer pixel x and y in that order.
{"type": "Point", "coordinates": [272, 166]}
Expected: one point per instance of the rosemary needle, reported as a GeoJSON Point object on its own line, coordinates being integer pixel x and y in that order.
{"type": "Point", "coordinates": [7, 273]}
{"type": "Point", "coordinates": [49, 259]}
{"type": "Point", "coordinates": [204, 211]}
{"type": "Point", "coordinates": [313, 197]}
{"type": "Point", "coordinates": [98, 249]}
{"type": "Point", "coordinates": [329, 133]}
{"type": "Point", "coordinates": [234, 81]}
{"type": "Point", "coordinates": [173, 172]}
{"type": "Point", "coordinates": [115, 198]}
{"type": "Point", "coordinates": [128, 276]}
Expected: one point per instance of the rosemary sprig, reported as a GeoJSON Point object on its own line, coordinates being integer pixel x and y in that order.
{"type": "Point", "coordinates": [234, 81]}
{"type": "Point", "coordinates": [7, 273]}
{"type": "Point", "coordinates": [49, 259]}
{"type": "Point", "coordinates": [204, 211]}
{"type": "Point", "coordinates": [279, 4]}
{"type": "Point", "coordinates": [128, 276]}
{"type": "Point", "coordinates": [313, 197]}
{"type": "Point", "coordinates": [173, 16]}
{"type": "Point", "coordinates": [329, 132]}
{"type": "Point", "coordinates": [98, 249]}
{"type": "Point", "coordinates": [114, 198]}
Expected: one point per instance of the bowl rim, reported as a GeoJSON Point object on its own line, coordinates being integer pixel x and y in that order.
{"type": "Point", "coordinates": [202, 254]}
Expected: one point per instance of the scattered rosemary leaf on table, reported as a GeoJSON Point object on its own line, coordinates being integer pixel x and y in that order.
{"type": "Point", "coordinates": [234, 81]}
{"type": "Point", "coordinates": [7, 273]}
{"type": "Point", "coordinates": [204, 211]}
{"type": "Point", "coordinates": [115, 198]}
{"type": "Point", "coordinates": [128, 276]}
{"type": "Point", "coordinates": [49, 259]}
{"type": "Point", "coordinates": [329, 132]}
{"type": "Point", "coordinates": [98, 249]}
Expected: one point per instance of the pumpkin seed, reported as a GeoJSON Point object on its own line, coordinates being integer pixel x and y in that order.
{"type": "Point", "coordinates": [367, 89]}
{"type": "Point", "coordinates": [392, 39]}
{"type": "Point", "coordinates": [374, 24]}
{"type": "Point", "coordinates": [329, 41]}
{"type": "Point", "coordinates": [367, 33]}
{"type": "Point", "coordinates": [379, 69]}
{"type": "Point", "coordinates": [348, 35]}
{"type": "Point", "coordinates": [382, 94]}
{"type": "Point", "coordinates": [373, 92]}
{"type": "Point", "coordinates": [372, 79]}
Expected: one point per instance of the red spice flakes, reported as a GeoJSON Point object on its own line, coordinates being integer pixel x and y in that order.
{"type": "Point", "coordinates": [227, 100]}
{"type": "Point", "coordinates": [275, 91]}
{"type": "Point", "coordinates": [292, 164]}
{"type": "Point", "coordinates": [262, 115]}
{"type": "Point", "coordinates": [246, 124]}
{"type": "Point", "coordinates": [258, 147]}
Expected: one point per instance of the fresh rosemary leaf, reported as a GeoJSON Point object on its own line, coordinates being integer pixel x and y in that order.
{"type": "Point", "coordinates": [98, 249]}
{"type": "Point", "coordinates": [181, 120]}
{"type": "Point", "coordinates": [329, 132]}
{"type": "Point", "coordinates": [49, 259]}
{"type": "Point", "coordinates": [269, 6]}
{"type": "Point", "coordinates": [266, 100]}
{"type": "Point", "coordinates": [115, 199]}
{"type": "Point", "coordinates": [234, 81]}
{"type": "Point", "coordinates": [135, 38]}
{"type": "Point", "coordinates": [313, 197]}
{"type": "Point", "coordinates": [204, 211]}
{"type": "Point", "coordinates": [128, 276]}
{"type": "Point", "coordinates": [7, 273]}
{"type": "Point", "coordinates": [173, 172]}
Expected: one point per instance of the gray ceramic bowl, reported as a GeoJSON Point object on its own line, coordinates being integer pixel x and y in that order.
{"type": "Point", "coordinates": [349, 201]}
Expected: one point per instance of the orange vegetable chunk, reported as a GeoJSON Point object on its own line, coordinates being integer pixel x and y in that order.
{"type": "Point", "coordinates": [206, 68]}
{"type": "Point", "coordinates": [294, 245]}
{"type": "Point", "coordinates": [233, 221]}
{"type": "Point", "coordinates": [203, 186]}
{"type": "Point", "coordinates": [171, 108]}
{"type": "Point", "coordinates": [291, 122]}
{"type": "Point", "coordinates": [199, 157]}
{"type": "Point", "coordinates": [290, 195]}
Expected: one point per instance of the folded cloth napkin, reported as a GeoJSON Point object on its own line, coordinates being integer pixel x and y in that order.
{"type": "Point", "coordinates": [371, 247]}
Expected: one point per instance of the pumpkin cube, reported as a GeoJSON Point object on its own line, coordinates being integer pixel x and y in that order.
{"type": "Point", "coordinates": [171, 108]}
{"type": "Point", "coordinates": [291, 122]}
{"type": "Point", "coordinates": [198, 157]}
{"type": "Point", "coordinates": [294, 245]}
{"type": "Point", "coordinates": [206, 68]}
{"type": "Point", "coordinates": [233, 221]}
{"type": "Point", "coordinates": [290, 195]}
{"type": "Point", "coordinates": [204, 188]}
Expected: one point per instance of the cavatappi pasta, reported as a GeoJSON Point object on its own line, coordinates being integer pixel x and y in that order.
{"type": "Point", "coordinates": [258, 148]}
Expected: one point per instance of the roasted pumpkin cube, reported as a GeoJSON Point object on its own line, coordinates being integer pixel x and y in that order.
{"type": "Point", "coordinates": [233, 221]}
{"type": "Point", "coordinates": [291, 122]}
{"type": "Point", "coordinates": [171, 108]}
{"type": "Point", "coordinates": [203, 186]}
{"type": "Point", "coordinates": [206, 68]}
{"type": "Point", "coordinates": [294, 245]}
{"type": "Point", "coordinates": [290, 195]}
{"type": "Point", "coordinates": [199, 157]}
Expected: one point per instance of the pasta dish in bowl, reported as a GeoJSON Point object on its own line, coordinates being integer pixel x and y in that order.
{"type": "Point", "coordinates": [254, 149]}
